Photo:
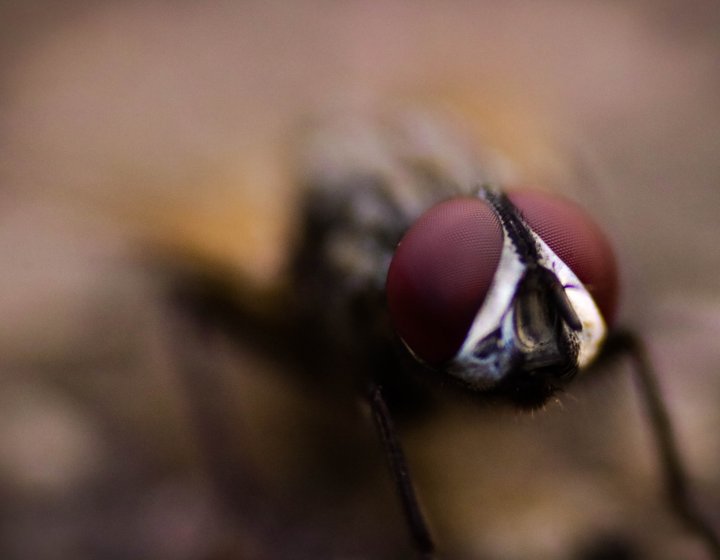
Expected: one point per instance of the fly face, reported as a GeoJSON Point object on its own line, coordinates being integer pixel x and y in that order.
{"type": "Point", "coordinates": [484, 290]}
{"type": "Point", "coordinates": [504, 293]}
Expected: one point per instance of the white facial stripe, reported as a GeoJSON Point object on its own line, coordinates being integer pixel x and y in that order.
{"type": "Point", "coordinates": [594, 328]}
{"type": "Point", "coordinates": [496, 313]}
{"type": "Point", "coordinates": [499, 298]}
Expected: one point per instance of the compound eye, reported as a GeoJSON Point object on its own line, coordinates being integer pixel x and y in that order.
{"type": "Point", "coordinates": [579, 242]}
{"type": "Point", "coordinates": [440, 275]}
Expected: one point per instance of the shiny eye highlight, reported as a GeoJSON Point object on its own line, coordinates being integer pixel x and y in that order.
{"type": "Point", "coordinates": [440, 275]}
{"type": "Point", "coordinates": [579, 242]}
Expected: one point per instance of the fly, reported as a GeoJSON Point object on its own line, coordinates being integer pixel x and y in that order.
{"type": "Point", "coordinates": [413, 267]}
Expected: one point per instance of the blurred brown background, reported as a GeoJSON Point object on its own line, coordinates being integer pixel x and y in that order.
{"type": "Point", "coordinates": [172, 121]}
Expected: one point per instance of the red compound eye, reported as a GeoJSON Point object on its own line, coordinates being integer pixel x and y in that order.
{"type": "Point", "coordinates": [574, 237]}
{"type": "Point", "coordinates": [440, 275]}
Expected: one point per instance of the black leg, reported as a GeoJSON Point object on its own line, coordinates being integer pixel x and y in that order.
{"type": "Point", "coordinates": [401, 476]}
{"type": "Point", "coordinates": [675, 476]}
{"type": "Point", "coordinates": [198, 346]}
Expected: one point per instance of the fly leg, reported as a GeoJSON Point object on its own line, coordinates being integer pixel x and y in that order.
{"type": "Point", "coordinates": [198, 340]}
{"type": "Point", "coordinates": [414, 517]}
{"type": "Point", "coordinates": [674, 472]}
{"type": "Point", "coordinates": [209, 316]}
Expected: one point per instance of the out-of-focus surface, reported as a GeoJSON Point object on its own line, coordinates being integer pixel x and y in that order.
{"type": "Point", "coordinates": [175, 120]}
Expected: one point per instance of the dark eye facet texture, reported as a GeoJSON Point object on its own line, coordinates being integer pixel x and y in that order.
{"type": "Point", "coordinates": [574, 236]}
{"type": "Point", "coordinates": [440, 275]}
